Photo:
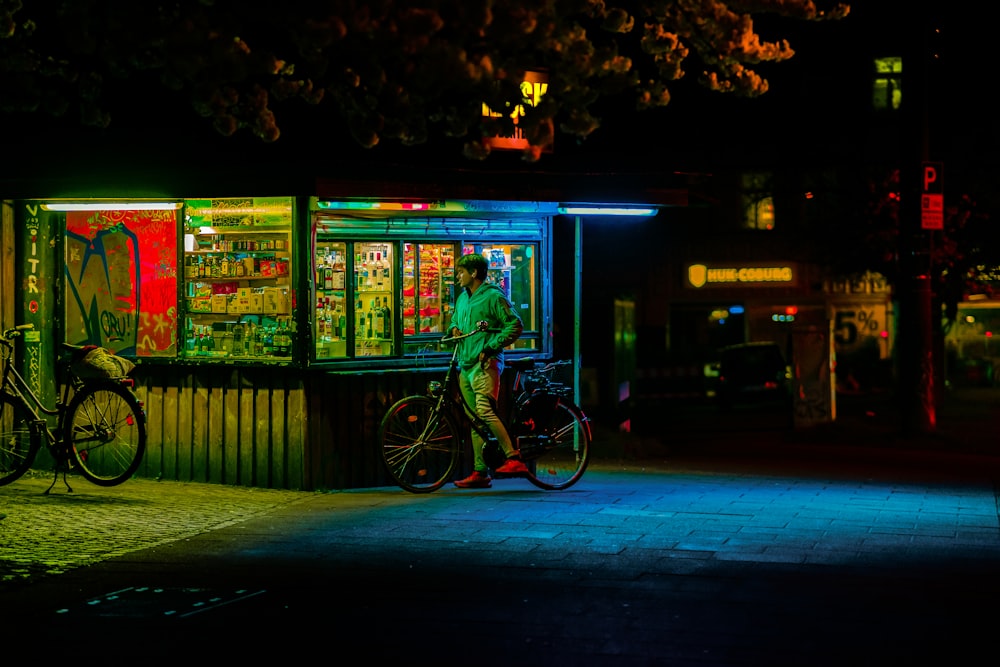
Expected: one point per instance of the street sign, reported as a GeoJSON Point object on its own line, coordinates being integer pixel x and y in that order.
{"type": "Point", "coordinates": [932, 196]}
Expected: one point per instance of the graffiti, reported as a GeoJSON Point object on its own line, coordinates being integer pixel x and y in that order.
{"type": "Point", "coordinates": [33, 368]}
{"type": "Point", "coordinates": [34, 292]}
{"type": "Point", "coordinates": [121, 280]}
{"type": "Point", "coordinates": [116, 327]}
{"type": "Point", "coordinates": [102, 284]}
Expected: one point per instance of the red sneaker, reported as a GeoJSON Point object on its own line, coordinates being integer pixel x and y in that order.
{"type": "Point", "coordinates": [512, 467]}
{"type": "Point", "coordinates": [477, 480]}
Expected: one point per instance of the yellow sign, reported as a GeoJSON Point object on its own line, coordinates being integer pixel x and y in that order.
{"type": "Point", "coordinates": [533, 87]}
{"type": "Point", "coordinates": [701, 275]}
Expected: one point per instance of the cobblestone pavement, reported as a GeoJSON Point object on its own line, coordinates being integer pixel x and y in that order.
{"type": "Point", "coordinates": [46, 534]}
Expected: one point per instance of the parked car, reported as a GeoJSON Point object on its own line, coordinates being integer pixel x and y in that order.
{"type": "Point", "coordinates": [753, 373]}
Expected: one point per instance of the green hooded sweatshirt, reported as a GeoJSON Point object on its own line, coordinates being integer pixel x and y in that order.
{"type": "Point", "coordinates": [489, 304]}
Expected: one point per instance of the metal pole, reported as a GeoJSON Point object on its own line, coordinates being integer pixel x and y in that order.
{"type": "Point", "coordinates": [577, 303]}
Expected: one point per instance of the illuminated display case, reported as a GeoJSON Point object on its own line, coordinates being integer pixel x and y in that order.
{"type": "Point", "coordinates": [238, 280]}
{"type": "Point", "coordinates": [354, 299]}
{"type": "Point", "coordinates": [373, 305]}
{"type": "Point", "coordinates": [513, 269]}
{"type": "Point", "coordinates": [428, 287]}
{"type": "Point", "coordinates": [384, 277]}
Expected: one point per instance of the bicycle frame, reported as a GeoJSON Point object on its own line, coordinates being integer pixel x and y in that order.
{"type": "Point", "coordinates": [17, 387]}
{"type": "Point", "coordinates": [520, 396]}
{"type": "Point", "coordinates": [449, 392]}
{"type": "Point", "coordinates": [422, 436]}
{"type": "Point", "coordinates": [99, 427]}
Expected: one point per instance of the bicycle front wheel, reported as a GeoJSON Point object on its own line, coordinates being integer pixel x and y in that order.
{"type": "Point", "coordinates": [557, 449]}
{"type": "Point", "coordinates": [105, 431]}
{"type": "Point", "coordinates": [17, 445]}
{"type": "Point", "coordinates": [419, 443]}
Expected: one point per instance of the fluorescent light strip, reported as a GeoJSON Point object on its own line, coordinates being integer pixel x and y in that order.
{"type": "Point", "coordinates": [605, 210]}
{"type": "Point", "coordinates": [114, 206]}
{"type": "Point", "coordinates": [377, 206]}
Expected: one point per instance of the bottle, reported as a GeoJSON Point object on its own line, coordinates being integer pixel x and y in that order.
{"type": "Point", "coordinates": [237, 340]}
{"type": "Point", "coordinates": [368, 329]}
{"type": "Point", "coordinates": [378, 271]}
{"type": "Point", "coordinates": [386, 320]}
{"type": "Point", "coordinates": [268, 348]}
{"type": "Point", "coordinates": [359, 321]}
{"type": "Point", "coordinates": [338, 271]}
{"type": "Point", "coordinates": [280, 347]}
{"type": "Point", "coordinates": [377, 319]}
{"type": "Point", "coordinates": [321, 332]}
{"type": "Point", "coordinates": [343, 324]}
{"type": "Point", "coordinates": [257, 347]}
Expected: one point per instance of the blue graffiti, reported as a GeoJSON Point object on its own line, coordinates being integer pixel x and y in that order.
{"type": "Point", "coordinates": [100, 323]}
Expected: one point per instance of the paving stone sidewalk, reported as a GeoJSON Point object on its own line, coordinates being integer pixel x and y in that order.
{"type": "Point", "coordinates": [50, 534]}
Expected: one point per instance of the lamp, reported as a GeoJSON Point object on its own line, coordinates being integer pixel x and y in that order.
{"type": "Point", "coordinates": [113, 206]}
{"type": "Point", "coordinates": [606, 209]}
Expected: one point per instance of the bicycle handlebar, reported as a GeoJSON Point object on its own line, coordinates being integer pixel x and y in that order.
{"type": "Point", "coordinates": [14, 332]}
{"type": "Point", "coordinates": [481, 327]}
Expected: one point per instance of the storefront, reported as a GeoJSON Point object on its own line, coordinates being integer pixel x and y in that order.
{"type": "Point", "coordinates": [270, 333]}
{"type": "Point", "coordinates": [837, 335]}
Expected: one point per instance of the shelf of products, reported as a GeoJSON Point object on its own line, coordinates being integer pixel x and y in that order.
{"type": "Point", "coordinates": [238, 293]}
{"type": "Point", "coordinates": [428, 278]}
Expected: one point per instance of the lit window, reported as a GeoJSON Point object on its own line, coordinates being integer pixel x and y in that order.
{"type": "Point", "coordinates": [887, 93]}
{"type": "Point", "coordinates": [758, 201]}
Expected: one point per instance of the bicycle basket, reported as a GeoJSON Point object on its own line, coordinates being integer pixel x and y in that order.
{"type": "Point", "coordinates": [93, 362]}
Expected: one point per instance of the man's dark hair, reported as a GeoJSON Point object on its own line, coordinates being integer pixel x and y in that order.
{"type": "Point", "coordinates": [475, 264]}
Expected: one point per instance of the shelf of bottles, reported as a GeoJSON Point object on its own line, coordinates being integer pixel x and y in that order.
{"type": "Point", "coordinates": [237, 283]}
{"type": "Point", "coordinates": [354, 302]}
{"type": "Point", "coordinates": [373, 305]}
{"type": "Point", "coordinates": [330, 320]}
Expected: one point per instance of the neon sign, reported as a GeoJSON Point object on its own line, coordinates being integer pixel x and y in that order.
{"type": "Point", "coordinates": [534, 86]}
{"type": "Point", "coordinates": [700, 275]}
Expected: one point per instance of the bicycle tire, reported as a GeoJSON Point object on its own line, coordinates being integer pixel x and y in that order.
{"type": "Point", "coordinates": [557, 449]}
{"type": "Point", "coordinates": [105, 431]}
{"type": "Point", "coordinates": [419, 444]}
{"type": "Point", "coordinates": [18, 446]}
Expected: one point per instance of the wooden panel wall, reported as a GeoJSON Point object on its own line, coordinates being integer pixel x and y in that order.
{"type": "Point", "coordinates": [344, 414]}
{"type": "Point", "coordinates": [244, 427]}
{"type": "Point", "coordinates": [271, 427]}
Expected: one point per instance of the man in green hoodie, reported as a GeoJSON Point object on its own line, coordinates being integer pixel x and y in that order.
{"type": "Point", "coordinates": [481, 361]}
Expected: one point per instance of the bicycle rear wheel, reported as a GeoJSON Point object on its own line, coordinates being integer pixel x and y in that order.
{"type": "Point", "coordinates": [419, 444]}
{"type": "Point", "coordinates": [17, 445]}
{"type": "Point", "coordinates": [105, 431]}
{"type": "Point", "coordinates": [556, 443]}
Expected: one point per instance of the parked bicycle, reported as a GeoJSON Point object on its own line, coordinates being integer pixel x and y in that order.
{"type": "Point", "coordinates": [421, 442]}
{"type": "Point", "coordinates": [100, 426]}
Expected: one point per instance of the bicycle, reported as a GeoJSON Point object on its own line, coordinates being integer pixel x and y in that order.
{"type": "Point", "coordinates": [100, 426]}
{"type": "Point", "coordinates": [420, 440]}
